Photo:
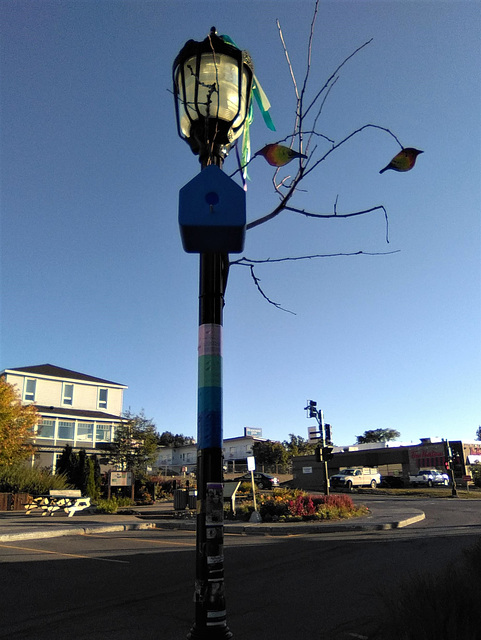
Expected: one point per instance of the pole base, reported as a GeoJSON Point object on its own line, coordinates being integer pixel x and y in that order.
{"type": "Point", "coordinates": [211, 633]}
{"type": "Point", "coordinates": [255, 517]}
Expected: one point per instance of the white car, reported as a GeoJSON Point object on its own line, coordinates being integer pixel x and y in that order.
{"type": "Point", "coordinates": [430, 477]}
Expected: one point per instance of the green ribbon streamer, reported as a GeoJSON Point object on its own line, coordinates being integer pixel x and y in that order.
{"type": "Point", "coordinates": [263, 103]}
{"type": "Point", "coordinates": [264, 106]}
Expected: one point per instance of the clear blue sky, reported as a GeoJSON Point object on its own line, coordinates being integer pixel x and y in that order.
{"type": "Point", "coordinates": [94, 277]}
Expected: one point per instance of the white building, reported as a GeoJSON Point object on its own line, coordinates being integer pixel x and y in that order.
{"type": "Point", "coordinates": [236, 451]}
{"type": "Point", "coordinates": [75, 409]}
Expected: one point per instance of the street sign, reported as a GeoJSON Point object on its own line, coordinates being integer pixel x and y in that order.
{"type": "Point", "coordinates": [313, 434]}
{"type": "Point", "coordinates": [251, 466]}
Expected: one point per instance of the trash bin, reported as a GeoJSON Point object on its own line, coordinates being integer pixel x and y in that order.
{"type": "Point", "coordinates": [192, 499]}
{"type": "Point", "coordinates": [180, 498]}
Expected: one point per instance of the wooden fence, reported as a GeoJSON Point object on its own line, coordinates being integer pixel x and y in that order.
{"type": "Point", "coordinates": [13, 501]}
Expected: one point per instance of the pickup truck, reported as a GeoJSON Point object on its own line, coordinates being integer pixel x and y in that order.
{"type": "Point", "coordinates": [356, 477]}
{"type": "Point", "coordinates": [430, 477]}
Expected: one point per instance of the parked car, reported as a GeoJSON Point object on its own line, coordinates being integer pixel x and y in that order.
{"type": "Point", "coordinates": [430, 477]}
{"type": "Point", "coordinates": [262, 480]}
{"type": "Point", "coordinates": [356, 477]}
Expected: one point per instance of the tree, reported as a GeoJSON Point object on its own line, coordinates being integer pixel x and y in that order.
{"type": "Point", "coordinates": [269, 452]}
{"type": "Point", "coordinates": [298, 446]}
{"type": "Point", "coordinates": [316, 147]}
{"type": "Point", "coordinates": [478, 433]}
{"type": "Point", "coordinates": [17, 422]}
{"type": "Point", "coordinates": [67, 465]}
{"type": "Point", "coordinates": [135, 443]}
{"type": "Point", "coordinates": [167, 439]}
{"type": "Point", "coordinates": [377, 435]}
{"type": "Point", "coordinates": [93, 479]}
{"type": "Point", "coordinates": [80, 471]}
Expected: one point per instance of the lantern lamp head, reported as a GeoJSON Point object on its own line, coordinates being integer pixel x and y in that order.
{"type": "Point", "coordinates": [212, 90]}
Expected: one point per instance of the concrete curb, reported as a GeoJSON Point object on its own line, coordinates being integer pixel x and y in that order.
{"type": "Point", "coordinates": [377, 523]}
{"type": "Point", "coordinates": [50, 532]}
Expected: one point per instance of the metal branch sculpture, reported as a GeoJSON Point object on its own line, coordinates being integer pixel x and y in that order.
{"type": "Point", "coordinates": [304, 137]}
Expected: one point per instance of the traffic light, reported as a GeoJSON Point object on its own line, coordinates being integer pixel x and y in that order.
{"type": "Point", "coordinates": [446, 465]}
{"type": "Point", "coordinates": [327, 428]}
{"type": "Point", "coordinates": [312, 408]}
{"type": "Point", "coordinates": [324, 454]}
{"type": "Point", "coordinates": [327, 454]}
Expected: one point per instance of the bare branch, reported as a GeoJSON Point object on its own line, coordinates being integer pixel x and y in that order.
{"type": "Point", "coordinates": [300, 102]}
{"type": "Point", "coordinates": [256, 282]}
{"type": "Point", "coordinates": [379, 207]}
{"type": "Point", "coordinates": [309, 48]}
{"type": "Point", "coordinates": [304, 135]}
{"type": "Point", "coordinates": [344, 140]}
{"type": "Point", "coordinates": [286, 53]}
{"type": "Point", "coordinates": [298, 118]}
{"type": "Point", "coordinates": [249, 262]}
{"type": "Point", "coordinates": [321, 106]}
{"type": "Point", "coordinates": [328, 81]}
{"type": "Point", "coordinates": [280, 207]}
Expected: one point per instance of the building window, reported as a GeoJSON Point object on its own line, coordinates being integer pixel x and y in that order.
{"type": "Point", "coordinates": [55, 458]}
{"type": "Point", "coordinates": [65, 429]}
{"type": "Point", "coordinates": [102, 433]}
{"type": "Point", "coordinates": [46, 429]}
{"type": "Point", "coordinates": [30, 387]}
{"type": "Point", "coordinates": [67, 394]}
{"type": "Point", "coordinates": [85, 431]}
{"type": "Point", "coordinates": [103, 394]}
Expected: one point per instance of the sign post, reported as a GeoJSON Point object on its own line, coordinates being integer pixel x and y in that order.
{"type": "Point", "coordinates": [121, 479]}
{"type": "Point", "coordinates": [251, 466]}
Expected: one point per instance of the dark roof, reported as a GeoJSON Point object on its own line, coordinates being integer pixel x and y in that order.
{"type": "Point", "coordinates": [77, 413]}
{"type": "Point", "coordinates": [60, 372]}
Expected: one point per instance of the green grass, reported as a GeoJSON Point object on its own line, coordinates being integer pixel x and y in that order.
{"type": "Point", "coordinates": [425, 492]}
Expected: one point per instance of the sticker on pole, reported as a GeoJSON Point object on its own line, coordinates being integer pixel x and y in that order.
{"type": "Point", "coordinates": [214, 504]}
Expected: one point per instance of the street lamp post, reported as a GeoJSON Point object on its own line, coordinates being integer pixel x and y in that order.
{"type": "Point", "coordinates": [212, 90]}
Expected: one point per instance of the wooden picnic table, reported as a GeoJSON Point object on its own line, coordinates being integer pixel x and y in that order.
{"type": "Point", "coordinates": [70, 500]}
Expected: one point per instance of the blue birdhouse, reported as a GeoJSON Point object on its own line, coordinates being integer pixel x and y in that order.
{"type": "Point", "coordinates": [212, 213]}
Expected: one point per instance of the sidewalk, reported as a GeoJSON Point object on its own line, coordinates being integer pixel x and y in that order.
{"type": "Point", "coordinates": [16, 525]}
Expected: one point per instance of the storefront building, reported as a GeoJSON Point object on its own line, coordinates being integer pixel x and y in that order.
{"type": "Point", "coordinates": [391, 460]}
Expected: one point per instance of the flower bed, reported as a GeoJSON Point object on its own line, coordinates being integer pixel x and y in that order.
{"type": "Point", "coordinates": [298, 506]}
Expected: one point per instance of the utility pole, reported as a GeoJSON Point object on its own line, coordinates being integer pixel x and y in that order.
{"type": "Point", "coordinates": [448, 461]}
